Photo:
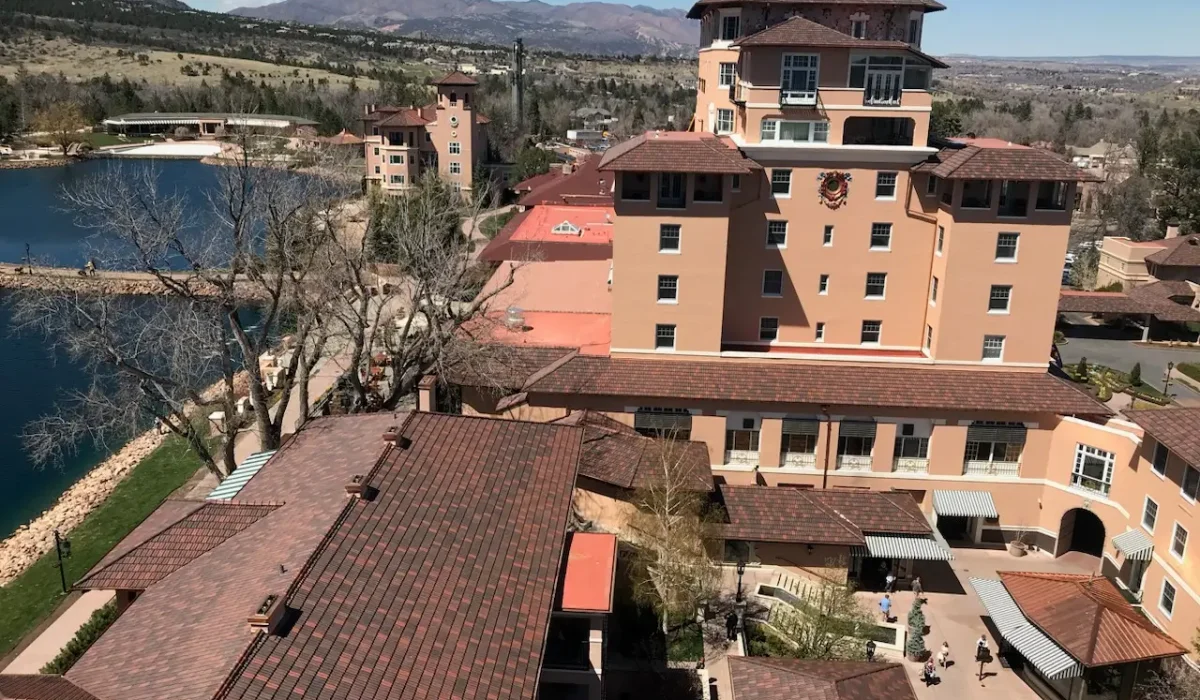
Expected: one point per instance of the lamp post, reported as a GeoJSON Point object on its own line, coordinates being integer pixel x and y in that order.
{"type": "Point", "coordinates": [1167, 380]}
{"type": "Point", "coordinates": [62, 547]}
{"type": "Point", "coordinates": [741, 569]}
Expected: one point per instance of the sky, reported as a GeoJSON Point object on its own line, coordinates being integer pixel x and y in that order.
{"type": "Point", "coordinates": [1019, 27]}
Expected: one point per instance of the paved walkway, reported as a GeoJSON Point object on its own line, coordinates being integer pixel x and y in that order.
{"type": "Point", "coordinates": [1122, 354]}
{"type": "Point", "coordinates": [43, 649]}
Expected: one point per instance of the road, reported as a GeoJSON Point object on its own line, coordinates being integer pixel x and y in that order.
{"type": "Point", "coordinates": [1122, 354]}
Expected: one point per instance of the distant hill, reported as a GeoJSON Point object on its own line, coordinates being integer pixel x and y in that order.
{"type": "Point", "coordinates": [1131, 61]}
{"type": "Point", "coordinates": [581, 27]}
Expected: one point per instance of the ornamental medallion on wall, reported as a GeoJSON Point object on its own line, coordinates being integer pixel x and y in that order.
{"type": "Point", "coordinates": [834, 187]}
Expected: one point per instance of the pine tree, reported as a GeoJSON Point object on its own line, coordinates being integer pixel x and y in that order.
{"type": "Point", "coordinates": [1135, 374]}
{"type": "Point", "coordinates": [915, 648]}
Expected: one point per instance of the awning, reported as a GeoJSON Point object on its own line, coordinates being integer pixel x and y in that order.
{"type": "Point", "coordinates": [964, 504]}
{"type": "Point", "coordinates": [856, 428]}
{"type": "Point", "coordinates": [232, 485]}
{"type": "Point", "coordinates": [919, 547]}
{"type": "Point", "coordinates": [801, 426]}
{"type": "Point", "coordinates": [1037, 648]}
{"type": "Point", "coordinates": [1008, 433]}
{"type": "Point", "coordinates": [1134, 545]}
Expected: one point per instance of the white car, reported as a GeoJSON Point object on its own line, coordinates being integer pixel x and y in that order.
{"type": "Point", "coordinates": [6, 150]}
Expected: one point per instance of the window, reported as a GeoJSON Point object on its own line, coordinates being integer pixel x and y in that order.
{"type": "Point", "coordinates": [455, 168]}
{"type": "Point", "coordinates": [671, 191]}
{"type": "Point", "coordinates": [668, 238]}
{"type": "Point", "coordinates": [744, 440]}
{"type": "Point", "coordinates": [668, 289]}
{"type": "Point", "coordinates": [941, 239]}
{"type": "Point", "coordinates": [977, 194]}
{"type": "Point", "coordinates": [727, 74]}
{"type": "Point", "coordinates": [768, 328]}
{"type": "Point", "coordinates": [885, 186]}
{"type": "Point", "coordinates": [1093, 469]}
{"type": "Point", "coordinates": [1179, 541]}
{"type": "Point", "coordinates": [706, 187]}
{"type": "Point", "coordinates": [777, 234]}
{"type": "Point", "coordinates": [931, 185]}
{"type": "Point", "coordinates": [376, 169]}
{"type": "Point", "coordinates": [820, 332]}
{"type": "Point", "coordinates": [914, 31]}
{"type": "Point", "coordinates": [566, 228]}
{"type": "Point", "coordinates": [1014, 198]}
{"type": "Point", "coordinates": [1052, 196]}
{"type": "Point", "coordinates": [928, 337]}
{"type": "Point", "coordinates": [772, 283]}
{"type": "Point", "coordinates": [948, 193]}
{"type": "Point", "coordinates": [1000, 297]}
{"type": "Point", "coordinates": [1159, 463]}
{"type": "Point", "coordinates": [794, 132]}
{"type": "Point", "coordinates": [1191, 482]}
{"type": "Point", "coordinates": [827, 239]}
{"type": "Point", "coordinates": [781, 182]}
{"type": "Point", "coordinates": [453, 99]}
{"type": "Point", "coordinates": [397, 179]}
{"type": "Point", "coordinates": [876, 285]}
{"type": "Point", "coordinates": [933, 289]}
{"type": "Point", "coordinates": [730, 27]}
{"type": "Point", "coordinates": [858, 28]}
{"type": "Point", "coordinates": [455, 148]}
{"type": "Point", "coordinates": [376, 150]}
{"type": "Point", "coordinates": [993, 348]}
{"type": "Point", "coordinates": [396, 160]}
{"type": "Point", "coordinates": [881, 236]}
{"type": "Point", "coordinates": [823, 285]}
{"type": "Point", "coordinates": [1149, 514]}
{"type": "Point", "coordinates": [428, 137]}
{"type": "Point", "coordinates": [1166, 601]}
{"type": "Point", "coordinates": [798, 81]}
{"type": "Point", "coordinates": [664, 336]}
{"type": "Point", "coordinates": [871, 331]}
{"type": "Point", "coordinates": [635, 187]}
{"type": "Point", "coordinates": [724, 123]}
{"type": "Point", "coordinates": [735, 183]}
{"type": "Point", "coordinates": [1006, 246]}
{"type": "Point", "coordinates": [908, 444]}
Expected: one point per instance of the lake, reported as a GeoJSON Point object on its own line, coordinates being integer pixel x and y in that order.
{"type": "Point", "coordinates": [32, 375]}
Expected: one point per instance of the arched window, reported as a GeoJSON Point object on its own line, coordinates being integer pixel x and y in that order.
{"type": "Point", "coordinates": [453, 98]}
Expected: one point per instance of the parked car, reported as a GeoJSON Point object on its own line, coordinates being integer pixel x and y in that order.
{"type": "Point", "coordinates": [6, 150]}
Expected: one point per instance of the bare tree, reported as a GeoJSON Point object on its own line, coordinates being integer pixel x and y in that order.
{"type": "Point", "coordinates": [827, 623]}
{"type": "Point", "coordinates": [1175, 680]}
{"type": "Point", "coordinates": [62, 122]}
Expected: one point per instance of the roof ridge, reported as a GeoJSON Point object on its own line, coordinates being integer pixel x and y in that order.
{"type": "Point", "coordinates": [849, 525]}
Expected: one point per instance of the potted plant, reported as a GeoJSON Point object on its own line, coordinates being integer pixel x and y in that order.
{"type": "Point", "coordinates": [915, 647]}
{"type": "Point", "coordinates": [1019, 545]}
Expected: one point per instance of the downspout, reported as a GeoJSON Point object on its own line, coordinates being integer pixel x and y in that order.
{"type": "Point", "coordinates": [829, 446]}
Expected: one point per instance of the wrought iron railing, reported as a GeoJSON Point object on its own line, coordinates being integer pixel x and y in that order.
{"type": "Point", "coordinates": [984, 468]}
{"type": "Point", "coordinates": [854, 463]}
{"type": "Point", "coordinates": [911, 465]}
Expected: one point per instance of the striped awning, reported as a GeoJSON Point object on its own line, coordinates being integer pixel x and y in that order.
{"type": "Point", "coordinates": [232, 485]}
{"type": "Point", "coordinates": [965, 504]}
{"type": "Point", "coordinates": [919, 547]}
{"type": "Point", "coordinates": [1134, 545]}
{"type": "Point", "coordinates": [1037, 648]}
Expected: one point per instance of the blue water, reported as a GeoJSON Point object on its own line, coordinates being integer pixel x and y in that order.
{"type": "Point", "coordinates": [32, 375]}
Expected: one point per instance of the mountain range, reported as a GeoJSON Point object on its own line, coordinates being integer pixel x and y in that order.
{"type": "Point", "coordinates": [578, 27]}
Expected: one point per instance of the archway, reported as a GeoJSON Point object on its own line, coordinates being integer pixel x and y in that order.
{"type": "Point", "coordinates": [1081, 530]}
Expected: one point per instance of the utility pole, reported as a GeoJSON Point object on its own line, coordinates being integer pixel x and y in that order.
{"type": "Point", "coordinates": [517, 78]}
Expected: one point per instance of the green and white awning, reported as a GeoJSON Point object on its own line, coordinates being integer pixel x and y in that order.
{"type": "Point", "coordinates": [965, 504]}
{"type": "Point", "coordinates": [921, 547]}
{"type": "Point", "coordinates": [1134, 545]}
{"type": "Point", "coordinates": [233, 484]}
{"type": "Point", "coordinates": [1038, 649]}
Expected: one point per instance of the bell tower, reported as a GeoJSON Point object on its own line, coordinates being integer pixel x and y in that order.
{"type": "Point", "coordinates": [456, 133]}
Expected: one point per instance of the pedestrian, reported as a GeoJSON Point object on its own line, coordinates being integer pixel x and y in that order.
{"type": "Point", "coordinates": [930, 674]}
{"type": "Point", "coordinates": [870, 650]}
{"type": "Point", "coordinates": [916, 587]}
{"type": "Point", "coordinates": [943, 654]}
{"type": "Point", "coordinates": [885, 606]}
{"type": "Point", "coordinates": [731, 626]}
{"type": "Point", "coordinates": [981, 648]}
{"type": "Point", "coordinates": [889, 583]}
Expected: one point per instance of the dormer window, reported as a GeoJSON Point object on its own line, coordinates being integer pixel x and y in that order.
{"type": "Point", "coordinates": [453, 99]}
{"type": "Point", "coordinates": [731, 27]}
{"type": "Point", "coordinates": [858, 26]}
{"type": "Point", "coordinates": [566, 228]}
{"type": "Point", "coordinates": [914, 28]}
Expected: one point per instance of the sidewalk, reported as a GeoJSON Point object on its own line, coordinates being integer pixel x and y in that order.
{"type": "Point", "coordinates": [43, 649]}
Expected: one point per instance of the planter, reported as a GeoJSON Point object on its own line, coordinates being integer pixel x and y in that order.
{"type": "Point", "coordinates": [1018, 549]}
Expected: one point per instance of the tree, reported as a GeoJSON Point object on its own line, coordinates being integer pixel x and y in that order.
{"type": "Point", "coordinates": [1135, 374]}
{"type": "Point", "coordinates": [1082, 369]}
{"type": "Point", "coordinates": [1175, 680]}
{"type": "Point", "coordinates": [915, 647]}
{"type": "Point", "coordinates": [829, 624]}
{"type": "Point", "coordinates": [62, 121]}
{"type": "Point", "coordinates": [944, 121]}
{"type": "Point", "coordinates": [1178, 177]}
{"type": "Point", "coordinates": [531, 161]}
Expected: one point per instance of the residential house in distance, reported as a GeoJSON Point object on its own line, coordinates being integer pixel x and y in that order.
{"type": "Point", "coordinates": [448, 136]}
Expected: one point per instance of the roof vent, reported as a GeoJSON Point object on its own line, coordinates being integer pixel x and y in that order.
{"type": "Point", "coordinates": [269, 615]}
{"type": "Point", "coordinates": [390, 435]}
{"type": "Point", "coordinates": [514, 318]}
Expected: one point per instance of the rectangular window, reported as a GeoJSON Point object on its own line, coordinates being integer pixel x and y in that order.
{"type": "Point", "coordinates": [726, 74]}
{"type": "Point", "coordinates": [455, 148]}
{"type": "Point", "coordinates": [706, 187]}
{"type": "Point", "coordinates": [1006, 246]}
{"type": "Point", "coordinates": [993, 348]}
{"type": "Point", "coordinates": [376, 150]}
{"type": "Point", "coordinates": [635, 187]}
{"type": "Point", "coordinates": [941, 239]}
{"type": "Point", "coordinates": [744, 440]}
{"type": "Point", "coordinates": [794, 132]}
{"type": "Point", "coordinates": [772, 283]}
{"type": "Point", "coordinates": [858, 29]}
{"type": "Point", "coordinates": [1014, 198]}
{"type": "Point", "coordinates": [455, 168]}
{"type": "Point", "coordinates": [885, 186]}
{"type": "Point", "coordinates": [396, 160]}
{"type": "Point", "coordinates": [428, 137]}
{"type": "Point", "coordinates": [820, 332]}
{"type": "Point", "coordinates": [1166, 601]}
{"type": "Point", "coordinates": [931, 185]}
{"type": "Point", "coordinates": [668, 289]}
{"type": "Point", "coordinates": [724, 123]}
{"type": "Point", "coordinates": [798, 80]}
{"type": "Point", "coordinates": [1179, 541]}
{"type": "Point", "coordinates": [777, 234]}
{"type": "Point", "coordinates": [933, 290]}
{"type": "Point", "coordinates": [768, 328]}
{"type": "Point", "coordinates": [914, 31]}
{"type": "Point", "coordinates": [668, 238]}
{"type": "Point", "coordinates": [881, 236]}
{"type": "Point", "coordinates": [977, 194]}
{"type": "Point", "coordinates": [781, 182]}
{"type": "Point", "coordinates": [672, 190]}
{"type": "Point", "coordinates": [928, 337]}
{"type": "Point", "coordinates": [1000, 297]}
{"type": "Point", "coordinates": [397, 179]}
{"type": "Point", "coordinates": [664, 336]}
{"type": "Point", "coordinates": [827, 238]}
{"type": "Point", "coordinates": [1159, 463]}
{"type": "Point", "coordinates": [730, 27]}
{"type": "Point", "coordinates": [735, 183]}
{"type": "Point", "coordinates": [1191, 483]}
{"type": "Point", "coordinates": [1093, 469]}
{"type": "Point", "coordinates": [1149, 514]}
{"type": "Point", "coordinates": [876, 285]}
{"type": "Point", "coordinates": [376, 169]}
{"type": "Point", "coordinates": [872, 331]}
{"type": "Point", "coordinates": [1052, 196]}
{"type": "Point", "coordinates": [823, 285]}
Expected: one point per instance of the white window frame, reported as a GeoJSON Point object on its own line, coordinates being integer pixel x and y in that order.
{"type": "Point", "coordinates": [881, 183]}
{"type": "Point", "coordinates": [867, 291]}
{"type": "Point", "coordinates": [827, 236]}
{"type": "Point", "coordinates": [678, 239]}
{"type": "Point", "coordinates": [871, 241]}
{"type": "Point", "coordinates": [396, 179]}
{"type": "Point", "coordinates": [455, 168]}
{"type": "Point", "coordinates": [941, 240]}
{"type": "Point", "coordinates": [1175, 537]}
{"type": "Point", "coordinates": [933, 291]}
{"type": "Point", "coordinates": [772, 130]}
{"type": "Point", "coordinates": [1016, 246]}
{"type": "Point", "coordinates": [918, 17]}
{"type": "Point", "coordinates": [781, 245]}
{"type": "Point", "coordinates": [1187, 469]}
{"type": "Point", "coordinates": [726, 79]}
{"type": "Point", "coordinates": [928, 337]}
{"type": "Point", "coordinates": [1162, 594]}
{"type": "Point", "coordinates": [1007, 299]}
{"type": "Point", "coordinates": [723, 124]}
{"type": "Point", "coordinates": [787, 173]}
{"type": "Point", "coordinates": [455, 148]}
{"type": "Point", "coordinates": [859, 21]}
{"type": "Point", "coordinates": [878, 333]}
{"type": "Point", "coordinates": [566, 228]}
{"type": "Point", "coordinates": [659, 328]}
{"type": "Point", "coordinates": [805, 64]}
{"type": "Point", "coordinates": [1166, 453]}
{"type": "Point", "coordinates": [823, 285]}
{"type": "Point", "coordinates": [671, 281]}
{"type": "Point", "coordinates": [819, 332]}
{"type": "Point", "coordinates": [1083, 451]}
{"type": "Point", "coordinates": [993, 340]}
{"type": "Point", "coordinates": [772, 295]}
{"type": "Point", "coordinates": [761, 322]}
{"type": "Point", "coordinates": [1145, 509]}
{"type": "Point", "coordinates": [735, 15]}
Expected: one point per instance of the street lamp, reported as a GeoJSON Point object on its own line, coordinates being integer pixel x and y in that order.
{"type": "Point", "coordinates": [62, 547]}
{"type": "Point", "coordinates": [741, 569]}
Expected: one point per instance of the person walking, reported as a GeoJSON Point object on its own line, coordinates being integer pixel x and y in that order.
{"type": "Point", "coordinates": [918, 591]}
{"type": "Point", "coordinates": [930, 674]}
{"type": "Point", "coordinates": [889, 583]}
{"type": "Point", "coordinates": [981, 647]}
{"type": "Point", "coordinates": [885, 606]}
{"type": "Point", "coordinates": [731, 626]}
{"type": "Point", "coordinates": [943, 655]}
{"type": "Point", "coordinates": [870, 650]}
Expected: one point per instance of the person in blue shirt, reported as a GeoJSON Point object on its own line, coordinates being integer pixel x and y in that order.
{"type": "Point", "coordinates": [885, 606]}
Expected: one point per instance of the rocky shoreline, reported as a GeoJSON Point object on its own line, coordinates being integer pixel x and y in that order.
{"type": "Point", "coordinates": [26, 164]}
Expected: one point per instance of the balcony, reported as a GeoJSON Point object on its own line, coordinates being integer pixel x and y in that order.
{"type": "Point", "coordinates": [911, 465]}
{"type": "Point", "coordinates": [741, 458]}
{"type": "Point", "coordinates": [798, 460]}
{"type": "Point", "coordinates": [883, 89]}
{"type": "Point", "coordinates": [1009, 470]}
{"type": "Point", "coordinates": [1079, 482]}
{"type": "Point", "coordinates": [798, 98]}
{"type": "Point", "coordinates": [854, 463]}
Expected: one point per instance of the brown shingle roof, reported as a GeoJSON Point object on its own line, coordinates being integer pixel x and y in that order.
{"type": "Point", "coordinates": [1177, 428]}
{"type": "Point", "coordinates": [832, 517]}
{"type": "Point", "coordinates": [455, 78]}
{"type": "Point", "coordinates": [176, 546]}
{"type": "Point", "coordinates": [1179, 252]}
{"type": "Point", "coordinates": [32, 687]}
{"type": "Point", "coordinates": [798, 31]}
{"type": "Point", "coordinates": [404, 117]}
{"type": "Point", "coordinates": [1088, 617]}
{"type": "Point", "coordinates": [584, 185]}
{"type": "Point", "coordinates": [760, 678]}
{"type": "Point", "coordinates": [1010, 163]}
{"type": "Point", "coordinates": [927, 5]}
{"type": "Point", "coordinates": [442, 585]}
{"type": "Point", "coordinates": [677, 151]}
{"type": "Point", "coordinates": [1156, 298]}
{"type": "Point", "coordinates": [614, 453]}
{"type": "Point", "coordinates": [1070, 300]}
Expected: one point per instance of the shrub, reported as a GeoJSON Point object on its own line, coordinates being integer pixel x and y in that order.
{"type": "Point", "coordinates": [1082, 369]}
{"type": "Point", "coordinates": [1111, 287]}
{"type": "Point", "coordinates": [1135, 374]}
{"type": "Point", "coordinates": [1059, 338]}
{"type": "Point", "coordinates": [915, 648]}
{"type": "Point", "coordinates": [1104, 393]}
{"type": "Point", "coordinates": [84, 638]}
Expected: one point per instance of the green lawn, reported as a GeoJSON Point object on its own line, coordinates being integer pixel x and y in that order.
{"type": "Point", "coordinates": [492, 225]}
{"type": "Point", "coordinates": [1191, 369]}
{"type": "Point", "coordinates": [28, 599]}
{"type": "Point", "coordinates": [96, 140]}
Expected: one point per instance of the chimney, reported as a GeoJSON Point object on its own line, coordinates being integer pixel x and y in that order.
{"type": "Point", "coordinates": [390, 435]}
{"type": "Point", "coordinates": [356, 486]}
{"type": "Point", "coordinates": [269, 615]}
{"type": "Point", "coordinates": [1172, 230]}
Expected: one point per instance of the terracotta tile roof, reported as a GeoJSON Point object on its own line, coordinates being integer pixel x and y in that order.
{"type": "Point", "coordinates": [677, 151]}
{"type": "Point", "coordinates": [531, 235]}
{"type": "Point", "coordinates": [1183, 251]}
{"type": "Point", "coordinates": [799, 31]}
{"type": "Point", "coordinates": [1012, 162]}
{"type": "Point", "coordinates": [507, 367]}
{"type": "Point", "coordinates": [806, 383]}
{"type": "Point", "coordinates": [455, 78]}
{"type": "Point", "coordinates": [616, 454]}
{"type": "Point", "coordinates": [441, 585]}
{"type": "Point", "coordinates": [34, 687]}
{"type": "Point", "coordinates": [1088, 617]}
{"type": "Point", "coordinates": [1177, 428]}
{"type": "Point", "coordinates": [342, 138]}
{"type": "Point", "coordinates": [832, 517]}
{"type": "Point", "coordinates": [584, 185]}
{"type": "Point", "coordinates": [176, 546]}
{"type": "Point", "coordinates": [404, 117]}
{"type": "Point", "coordinates": [168, 513]}
{"type": "Point", "coordinates": [927, 5]}
{"type": "Point", "coordinates": [761, 678]}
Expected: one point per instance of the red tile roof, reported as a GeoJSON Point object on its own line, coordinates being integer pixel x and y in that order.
{"type": "Point", "coordinates": [677, 151]}
{"type": "Point", "coordinates": [31, 687]}
{"type": "Point", "coordinates": [1183, 251]}
{"type": "Point", "coordinates": [404, 117]}
{"type": "Point", "coordinates": [176, 546]}
{"type": "Point", "coordinates": [831, 517]}
{"type": "Point", "coordinates": [927, 5]}
{"type": "Point", "coordinates": [441, 585]}
{"type": "Point", "coordinates": [342, 138]}
{"type": "Point", "coordinates": [1177, 428]}
{"type": "Point", "coordinates": [799, 31]}
{"type": "Point", "coordinates": [168, 513]}
{"type": "Point", "coordinates": [591, 567]}
{"type": "Point", "coordinates": [531, 235]}
{"type": "Point", "coordinates": [1088, 617]}
{"type": "Point", "coordinates": [1012, 162]}
{"type": "Point", "coordinates": [455, 78]}
{"type": "Point", "coordinates": [761, 678]}
{"type": "Point", "coordinates": [616, 454]}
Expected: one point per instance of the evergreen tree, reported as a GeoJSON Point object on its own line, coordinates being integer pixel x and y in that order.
{"type": "Point", "coordinates": [915, 648]}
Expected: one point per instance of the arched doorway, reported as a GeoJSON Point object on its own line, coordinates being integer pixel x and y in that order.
{"type": "Point", "coordinates": [1081, 530]}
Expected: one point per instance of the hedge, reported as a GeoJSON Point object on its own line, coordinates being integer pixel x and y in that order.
{"type": "Point", "coordinates": [84, 638]}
